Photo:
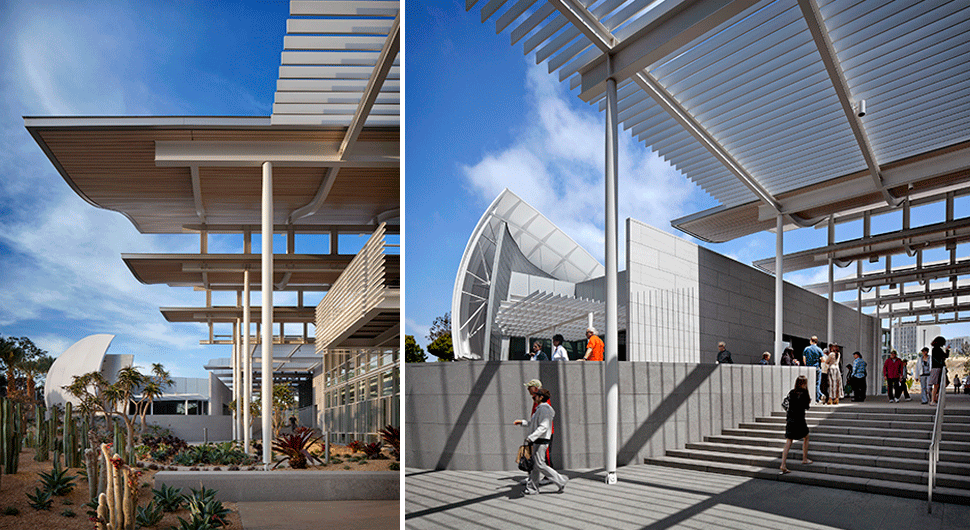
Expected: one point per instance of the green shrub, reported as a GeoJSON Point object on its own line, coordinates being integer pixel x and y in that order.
{"type": "Point", "coordinates": [11, 510]}
{"type": "Point", "coordinates": [68, 513]}
{"type": "Point", "coordinates": [394, 466]}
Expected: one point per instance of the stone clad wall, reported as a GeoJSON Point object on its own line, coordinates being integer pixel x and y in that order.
{"type": "Point", "coordinates": [459, 415]}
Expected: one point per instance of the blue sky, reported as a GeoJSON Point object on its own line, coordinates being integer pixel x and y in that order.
{"type": "Point", "coordinates": [481, 116]}
{"type": "Point", "coordinates": [62, 277]}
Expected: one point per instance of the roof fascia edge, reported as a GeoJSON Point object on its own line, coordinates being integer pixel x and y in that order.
{"type": "Point", "coordinates": [145, 121]}
{"type": "Point", "coordinates": [35, 134]}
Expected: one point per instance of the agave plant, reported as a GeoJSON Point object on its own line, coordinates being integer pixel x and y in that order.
{"type": "Point", "coordinates": [40, 500]}
{"type": "Point", "coordinates": [296, 448]}
{"type": "Point", "coordinates": [57, 482]}
{"type": "Point", "coordinates": [204, 508]}
{"type": "Point", "coordinates": [150, 514]}
{"type": "Point", "coordinates": [195, 523]}
{"type": "Point", "coordinates": [169, 498]}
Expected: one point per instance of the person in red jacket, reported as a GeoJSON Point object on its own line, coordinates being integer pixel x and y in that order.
{"type": "Point", "coordinates": [892, 369]}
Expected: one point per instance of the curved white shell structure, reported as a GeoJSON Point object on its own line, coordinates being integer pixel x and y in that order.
{"type": "Point", "coordinates": [85, 355]}
{"type": "Point", "coordinates": [511, 236]}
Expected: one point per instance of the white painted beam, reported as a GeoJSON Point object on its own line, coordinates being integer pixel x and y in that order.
{"type": "Point", "coordinates": [252, 154]}
{"type": "Point", "coordinates": [388, 54]}
{"type": "Point", "coordinates": [677, 26]}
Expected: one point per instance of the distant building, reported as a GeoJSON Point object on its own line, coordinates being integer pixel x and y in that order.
{"type": "Point", "coordinates": [908, 339]}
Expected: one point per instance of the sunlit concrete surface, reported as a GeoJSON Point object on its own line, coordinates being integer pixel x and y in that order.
{"type": "Point", "coordinates": [345, 515]}
{"type": "Point", "coordinates": [651, 497]}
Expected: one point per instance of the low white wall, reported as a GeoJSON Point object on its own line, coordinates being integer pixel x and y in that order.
{"type": "Point", "coordinates": [289, 485]}
{"type": "Point", "coordinates": [193, 428]}
{"type": "Point", "coordinates": [459, 415]}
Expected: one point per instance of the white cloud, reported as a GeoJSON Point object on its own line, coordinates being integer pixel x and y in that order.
{"type": "Point", "coordinates": [557, 162]}
{"type": "Point", "coordinates": [62, 276]}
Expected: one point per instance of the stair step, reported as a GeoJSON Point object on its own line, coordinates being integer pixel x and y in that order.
{"type": "Point", "coordinates": [743, 443]}
{"type": "Point", "coordinates": [880, 486]}
{"type": "Point", "coordinates": [895, 424]}
{"type": "Point", "coordinates": [848, 439]}
{"type": "Point", "coordinates": [860, 431]}
{"type": "Point", "coordinates": [834, 455]}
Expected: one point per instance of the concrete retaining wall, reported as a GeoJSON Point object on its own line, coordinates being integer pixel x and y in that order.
{"type": "Point", "coordinates": [192, 428]}
{"type": "Point", "coordinates": [289, 485]}
{"type": "Point", "coordinates": [459, 415]}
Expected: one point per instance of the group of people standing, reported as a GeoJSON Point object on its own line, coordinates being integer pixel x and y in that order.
{"type": "Point", "coordinates": [594, 348]}
{"type": "Point", "coordinates": [929, 370]}
{"type": "Point", "coordinates": [828, 368]}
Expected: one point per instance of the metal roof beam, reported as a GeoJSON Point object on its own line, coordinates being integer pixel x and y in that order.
{"type": "Point", "coordinates": [921, 311]}
{"type": "Point", "coordinates": [816, 25]}
{"type": "Point", "coordinates": [684, 118]}
{"type": "Point", "coordinates": [675, 25]}
{"type": "Point", "coordinates": [949, 162]}
{"type": "Point", "coordinates": [197, 193]}
{"type": "Point", "coordinates": [889, 244]}
{"type": "Point", "coordinates": [915, 296]}
{"type": "Point", "coordinates": [899, 275]}
{"type": "Point", "coordinates": [586, 23]}
{"type": "Point", "coordinates": [384, 62]}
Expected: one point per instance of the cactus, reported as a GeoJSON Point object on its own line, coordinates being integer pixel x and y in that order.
{"type": "Point", "coordinates": [11, 440]}
{"type": "Point", "coordinates": [43, 438]}
{"type": "Point", "coordinates": [68, 418]}
{"type": "Point", "coordinates": [120, 501]}
{"type": "Point", "coordinates": [38, 420]}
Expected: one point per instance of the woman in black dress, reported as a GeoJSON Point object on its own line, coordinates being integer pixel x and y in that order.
{"type": "Point", "coordinates": [795, 426]}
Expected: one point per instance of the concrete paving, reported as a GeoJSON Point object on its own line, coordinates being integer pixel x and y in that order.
{"type": "Point", "coordinates": [335, 515]}
{"type": "Point", "coordinates": [653, 497]}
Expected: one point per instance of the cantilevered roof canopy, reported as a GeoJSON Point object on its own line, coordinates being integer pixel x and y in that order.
{"type": "Point", "coordinates": [340, 65]}
{"type": "Point", "coordinates": [759, 102]}
{"type": "Point", "coordinates": [172, 175]}
{"type": "Point", "coordinates": [306, 272]}
{"type": "Point", "coordinates": [544, 314]}
{"type": "Point", "coordinates": [229, 314]}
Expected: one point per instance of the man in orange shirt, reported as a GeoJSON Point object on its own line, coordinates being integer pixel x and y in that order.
{"type": "Point", "coordinates": [594, 346]}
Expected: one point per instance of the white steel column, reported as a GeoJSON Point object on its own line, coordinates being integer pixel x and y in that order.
{"type": "Point", "coordinates": [266, 385]}
{"type": "Point", "coordinates": [859, 304]}
{"type": "Point", "coordinates": [247, 366]}
{"type": "Point", "coordinates": [234, 364]}
{"type": "Point", "coordinates": [779, 284]}
{"type": "Point", "coordinates": [830, 307]}
{"type": "Point", "coordinates": [611, 377]}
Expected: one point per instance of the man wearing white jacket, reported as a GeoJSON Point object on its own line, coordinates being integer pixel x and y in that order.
{"type": "Point", "coordinates": [540, 427]}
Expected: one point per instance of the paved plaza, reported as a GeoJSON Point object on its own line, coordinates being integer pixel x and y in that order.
{"type": "Point", "coordinates": [335, 515]}
{"type": "Point", "coordinates": [652, 497]}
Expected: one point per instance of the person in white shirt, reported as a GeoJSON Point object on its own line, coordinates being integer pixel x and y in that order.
{"type": "Point", "coordinates": [923, 366]}
{"type": "Point", "coordinates": [558, 352]}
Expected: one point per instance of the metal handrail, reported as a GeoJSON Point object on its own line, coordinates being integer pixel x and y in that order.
{"type": "Point", "coordinates": [934, 455]}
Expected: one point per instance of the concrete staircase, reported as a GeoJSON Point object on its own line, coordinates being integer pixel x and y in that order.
{"type": "Point", "coordinates": [876, 448]}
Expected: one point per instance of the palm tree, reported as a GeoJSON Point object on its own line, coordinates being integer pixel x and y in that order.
{"type": "Point", "coordinates": [153, 389]}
